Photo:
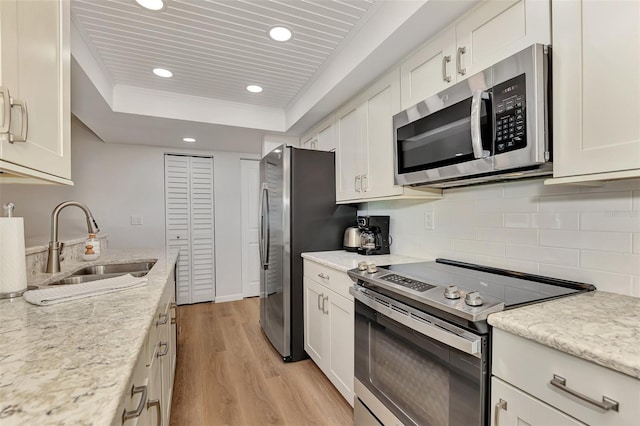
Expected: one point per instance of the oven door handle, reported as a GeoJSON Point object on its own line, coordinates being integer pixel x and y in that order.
{"type": "Point", "coordinates": [476, 125]}
{"type": "Point", "coordinates": [468, 345]}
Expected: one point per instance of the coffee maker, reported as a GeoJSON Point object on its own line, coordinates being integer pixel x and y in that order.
{"type": "Point", "coordinates": [374, 236]}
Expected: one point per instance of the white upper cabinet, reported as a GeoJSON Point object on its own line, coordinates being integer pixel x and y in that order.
{"type": "Point", "coordinates": [596, 90]}
{"type": "Point", "coordinates": [35, 59]}
{"type": "Point", "coordinates": [489, 33]}
{"type": "Point", "coordinates": [364, 156]}
{"type": "Point", "coordinates": [321, 137]}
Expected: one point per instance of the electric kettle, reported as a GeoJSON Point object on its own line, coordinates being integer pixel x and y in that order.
{"type": "Point", "coordinates": [351, 240]}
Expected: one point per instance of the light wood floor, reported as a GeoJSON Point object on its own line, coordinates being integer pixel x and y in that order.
{"type": "Point", "coordinates": [227, 373]}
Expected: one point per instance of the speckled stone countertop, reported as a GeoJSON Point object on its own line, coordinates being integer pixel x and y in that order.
{"type": "Point", "coordinates": [600, 327]}
{"type": "Point", "coordinates": [343, 260]}
{"type": "Point", "coordinates": [70, 363]}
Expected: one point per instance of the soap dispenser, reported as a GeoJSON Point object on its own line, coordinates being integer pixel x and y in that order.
{"type": "Point", "coordinates": [91, 248]}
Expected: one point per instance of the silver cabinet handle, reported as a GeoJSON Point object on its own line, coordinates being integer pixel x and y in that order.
{"type": "Point", "coordinates": [365, 183]}
{"type": "Point", "coordinates": [156, 403]}
{"type": "Point", "coordinates": [607, 404]}
{"type": "Point", "coordinates": [358, 183]}
{"type": "Point", "coordinates": [500, 405]}
{"type": "Point", "coordinates": [320, 298]}
{"type": "Point", "coordinates": [166, 349]}
{"type": "Point", "coordinates": [445, 60]}
{"type": "Point", "coordinates": [165, 318]}
{"type": "Point", "coordinates": [323, 276]}
{"type": "Point", "coordinates": [6, 110]}
{"type": "Point", "coordinates": [25, 121]}
{"type": "Point", "coordinates": [128, 415]}
{"type": "Point", "coordinates": [476, 131]}
{"type": "Point", "coordinates": [324, 299]}
{"type": "Point", "coordinates": [461, 51]}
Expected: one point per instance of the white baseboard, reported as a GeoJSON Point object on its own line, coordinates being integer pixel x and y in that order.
{"type": "Point", "coordinates": [230, 298]}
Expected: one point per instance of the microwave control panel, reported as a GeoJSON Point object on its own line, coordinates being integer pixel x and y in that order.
{"type": "Point", "coordinates": [509, 106]}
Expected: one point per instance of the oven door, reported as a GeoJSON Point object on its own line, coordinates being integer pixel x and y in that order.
{"type": "Point", "coordinates": [432, 373]}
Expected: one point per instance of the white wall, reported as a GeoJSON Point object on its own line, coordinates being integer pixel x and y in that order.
{"type": "Point", "coordinates": [577, 233]}
{"type": "Point", "coordinates": [117, 181]}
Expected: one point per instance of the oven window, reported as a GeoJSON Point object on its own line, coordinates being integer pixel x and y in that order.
{"type": "Point", "coordinates": [422, 381]}
{"type": "Point", "coordinates": [442, 138]}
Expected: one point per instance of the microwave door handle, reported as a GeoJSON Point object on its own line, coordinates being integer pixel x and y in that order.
{"type": "Point", "coordinates": [476, 131]}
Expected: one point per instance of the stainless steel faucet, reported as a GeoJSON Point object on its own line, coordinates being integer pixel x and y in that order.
{"type": "Point", "coordinates": [55, 247]}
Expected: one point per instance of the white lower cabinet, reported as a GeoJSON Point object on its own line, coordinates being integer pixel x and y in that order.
{"type": "Point", "coordinates": [328, 324]}
{"type": "Point", "coordinates": [148, 398]}
{"type": "Point", "coordinates": [537, 385]}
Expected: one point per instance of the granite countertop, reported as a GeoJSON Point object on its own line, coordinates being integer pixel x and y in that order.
{"type": "Point", "coordinates": [600, 327]}
{"type": "Point", "coordinates": [70, 363]}
{"type": "Point", "coordinates": [343, 260]}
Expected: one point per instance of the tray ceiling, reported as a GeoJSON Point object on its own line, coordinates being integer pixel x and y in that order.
{"type": "Point", "coordinates": [216, 48]}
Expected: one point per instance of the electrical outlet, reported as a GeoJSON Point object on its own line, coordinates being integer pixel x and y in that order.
{"type": "Point", "coordinates": [136, 220]}
{"type": "Point", "coordinates": [428, 221]}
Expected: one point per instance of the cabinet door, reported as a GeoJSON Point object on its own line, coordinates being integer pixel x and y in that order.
{"type": "Point", "coordinates": [596, 88]}
{"type": "Point", "coordinates": [315, 324]}
{"type": "Point", "coordinates": [341, 335]}
{"type": "Point", "coordinates": [327, 138]}
{"type": "Point", "coordinates": [514, 407]}
{"type": "Point", "coordinates": [429, 70]}
{"type": "Point", "coordinates": [378, 180]}
{"type": "Point", "coordinates": [349, 153]}
{"type": "Point", "coordinates": [35, 69]}
{"type": "Point", "coordinates": [497, 29]}
{"type": "Point", "coordinates": [310, 143]}
{"type": "Point", "coordinates": [155, 402]}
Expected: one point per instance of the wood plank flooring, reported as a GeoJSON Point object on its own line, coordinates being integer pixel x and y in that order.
{"type": "Point", "coordinates": [227, 373]}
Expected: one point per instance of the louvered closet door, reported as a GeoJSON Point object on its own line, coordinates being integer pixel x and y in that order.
{"type": "Point", "coordinates": [189, 225]}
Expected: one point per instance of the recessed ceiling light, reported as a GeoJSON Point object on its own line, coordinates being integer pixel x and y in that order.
{"type": "Point", "coordinates": [190, 140]}
{"type": "Point", "coordinates": [155, 5]}
{"type": "Point", "coordinates": [161, 72]}
{"type": "Point", "coordinates": [280, 33]}
{"type": "Point", "coordinates": [254, 89]}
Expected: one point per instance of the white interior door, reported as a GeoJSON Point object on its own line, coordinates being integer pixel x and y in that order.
{"type": "Point", "coordinates": [250, 187]}
{"type": "Point", "coordinates": [189, 219]}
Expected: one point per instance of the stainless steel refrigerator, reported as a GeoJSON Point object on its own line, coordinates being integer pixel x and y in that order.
{"type": "Point", "coordinates": [298, 213]}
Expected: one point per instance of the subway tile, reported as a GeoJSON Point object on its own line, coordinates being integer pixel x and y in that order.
{"type": "Point", "coordinates": [620, 263]}
{"type": "Point", "coordinates": [612, 220]}
{"type": "Point", "coordinates": [605, 241]}
{"type": "Point", "coordinates": [518, 220]}
{"type": "Point", "coordinates": [479, 247]}
{"type": "Point", "coordinates": [536, 187]}
{"type": "Point", "coordinates": [507, 205]}
{"type": "Point", "coordinates": [503, 235]}
{"type": "Point", "coordinates": [604, 281]}
{"type": "Point", "coordinates": [549, 220]}
{"type": "Point", "coordinates": [635, 292]}
{"type": "Point", "coordinates": [511, 264]}
{"type": "Point", "coordinates": [598, 202]}
{"type": "Point", "coordinates": [454, 231]}
{"type": "Point", "coordinates": [490, 191]}
{"type": "Point", "coordinates": [557, 256]}
{"type": "Point", "coordinates": [636, 242]}
{"type": "Point", "coordinates": [636, 200]}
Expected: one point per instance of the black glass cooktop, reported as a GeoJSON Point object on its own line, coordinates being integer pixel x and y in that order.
{"type": "Point", "coordinates": [513, 288]}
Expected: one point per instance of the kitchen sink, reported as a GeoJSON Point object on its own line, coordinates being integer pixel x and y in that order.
{"type": "Point", "coordinates": [100, 272]}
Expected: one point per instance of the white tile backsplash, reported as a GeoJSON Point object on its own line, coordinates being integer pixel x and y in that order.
{"type": "Point", "coordinates": [589, 234]}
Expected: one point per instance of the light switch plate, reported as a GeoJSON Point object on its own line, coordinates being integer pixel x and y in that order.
{"type": "Point", "coordinates": [428, 221]}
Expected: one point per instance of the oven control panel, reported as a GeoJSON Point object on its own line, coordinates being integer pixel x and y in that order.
{"type": "Point", "coordinates": [509, 108]}
{"type": "Point", "coordinates": [407, 282]}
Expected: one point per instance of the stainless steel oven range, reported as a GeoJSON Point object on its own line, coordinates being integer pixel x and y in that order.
{"type": "Point", "coordinates": [422, 342]}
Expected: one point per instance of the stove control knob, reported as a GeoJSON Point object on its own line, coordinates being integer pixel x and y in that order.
{"type": "Point", "coordinates": [452, 292]}
{"type": "Point", "coordinates": [372, 268]}
{"type": "Point", "coordinates": [473, 299]}
{"type": "Point", "coordinates": [362, 266]}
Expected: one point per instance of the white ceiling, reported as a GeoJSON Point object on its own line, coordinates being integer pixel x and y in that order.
{"type": "Point", "coordinates": [216, 48]}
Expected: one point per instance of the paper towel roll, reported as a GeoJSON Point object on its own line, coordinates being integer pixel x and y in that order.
{"type": "Point", "coordinates": [13, 268]}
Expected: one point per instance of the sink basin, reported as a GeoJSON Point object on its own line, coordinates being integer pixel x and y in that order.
{"type": "Point", "coordinates": [100, 272]}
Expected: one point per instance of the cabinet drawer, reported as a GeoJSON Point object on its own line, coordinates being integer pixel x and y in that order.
{"type": "Point", "coordinates": [335, 280]}
{"type": "Point", "coordinates": [162, 318]}
{"type": "Point", "coordinates": [531, 366]}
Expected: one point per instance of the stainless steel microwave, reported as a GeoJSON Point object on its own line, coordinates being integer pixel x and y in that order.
{"type": "Point", "coordinates": [492, 126]}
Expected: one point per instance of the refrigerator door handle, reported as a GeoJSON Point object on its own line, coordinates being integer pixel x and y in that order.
{"type": "Point", "coordinates": [261, 225]}
{"type": "Point", "coordinates": [268, 239]}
